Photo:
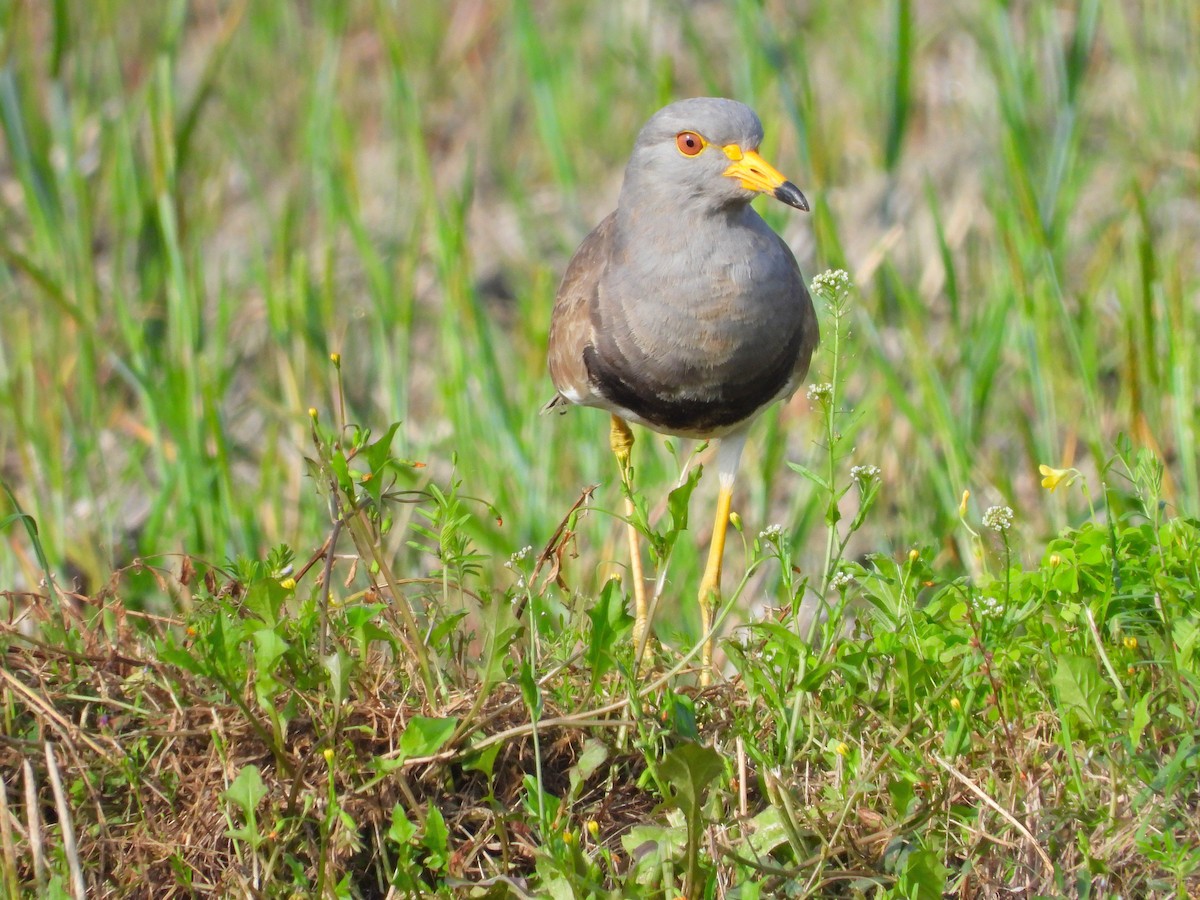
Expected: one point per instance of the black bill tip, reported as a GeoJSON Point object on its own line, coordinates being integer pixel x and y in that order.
{"type": "Point", "coordinates": [790, 194]}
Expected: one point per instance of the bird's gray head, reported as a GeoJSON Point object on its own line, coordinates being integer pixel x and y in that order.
{"type": "Point", "coordinates": [703, 151]}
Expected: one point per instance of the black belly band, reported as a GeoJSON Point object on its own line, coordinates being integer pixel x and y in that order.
{"type": "Point", "coordinates": [727, 407]}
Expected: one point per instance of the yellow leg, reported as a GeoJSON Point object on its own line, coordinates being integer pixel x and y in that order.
{"type": "Point", "coordinates": [710, 585]}
{"type": "Point", "coordinates": [621, 440]}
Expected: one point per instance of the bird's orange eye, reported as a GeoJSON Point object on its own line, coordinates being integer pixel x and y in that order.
{"type": "Point", "coordinates": [689, 143]}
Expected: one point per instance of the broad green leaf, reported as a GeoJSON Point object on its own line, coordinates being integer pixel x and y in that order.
{"type": "Point", "coordinates": [436, 839]}
{"type": "Point", "coordinates": [182, 658]}
{"type": "Point", "coordinates": [922, 876]}
{"type": "Point", "coordinates": [424, 736]}
{"type": "Point", "coordinates": [360, 615]}
{"type": "Point", "coordinates": [590, 759]}
{"type": "Point", "coordinates": [268, 648]}
{"type": "Point", "coordinates": [377, 452]}
{"type": "Point", "coordinates": [1186, 635]}
{"type": "Point", "coordinates": [679, 715]}
{"type": "Point", "coordinates": [649, 845]}
{"type": "Point", "coordinates": [1140, 719]}
{"type": "Point", "coordinates": [677, 501]}
{"type": "Point", "coordinates": [689, 769]}
{"type": "Point", "coordinates": [265, 597]}
{"type": "Point", "coordinates": [610, 623]}
{"type": "Point", "coordinates": [401, 830]}
{"type": "Point", "coordinates": [449, 625]}
{"type": "Point", "coordinates": [338, 665]}
{"type": "Point", "coordinates": [956, 739]}
{"type": "Point", "coordinates": [341, 471]}
{"type": "Point", "coordinates": [484, 761]}
{"type": "Point", "coordinates": [1080, 687]}
{"type": "Point", "coordinates": [904, 796]}
{"type": "Point", "coordinates": [246, 790]}
{"type": "Point", "coordinates": [767, 832]}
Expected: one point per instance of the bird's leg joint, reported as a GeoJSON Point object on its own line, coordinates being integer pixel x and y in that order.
{"type": "Point", "coordinates": [620, 438]}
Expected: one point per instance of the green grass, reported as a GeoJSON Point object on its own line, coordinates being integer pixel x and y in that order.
{"type": "Point", "coordinates": [200, 203]}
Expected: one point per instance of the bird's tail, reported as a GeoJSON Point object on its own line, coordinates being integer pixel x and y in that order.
{"type": "Point", "coordinates": [558, 403]}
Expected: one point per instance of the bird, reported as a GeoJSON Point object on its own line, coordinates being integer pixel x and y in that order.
{"type": "Point", "coordinates": [684, 312]}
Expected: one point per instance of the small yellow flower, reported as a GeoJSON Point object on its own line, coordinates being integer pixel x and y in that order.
{"type": "Point", "coordinates": [335, 358]}
{"type": "Point", "coordinates": [962, 505]}
{"type": "Point", "coordinates": [955, 704]}
{"type": "Point", "coordinates": [568, 837]}
{"type": "Point", "coordinates": [1052, 478]}
{"type": "Point", "coordinates": [312, 413]}
{"type": "Point", "coordinates": [288, 584]}
{"type": "Point", "coordinates": [736, 521]}
{"type": "Point", "coordinates": [913, 555]}
{"type": "Point", "coordinates": [593, 828]}
{"type": "Point", "coordinates": [841, 748]}
{"type": "Point", "coordinates": [1055, 560]}
{"type": "Point", "coordinates": [1130, 643]}
{"type": "Point", "coordinates": [328, 754]}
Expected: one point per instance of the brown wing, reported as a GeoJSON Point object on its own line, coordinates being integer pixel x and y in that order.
{"type": "Point", "coordinates": [572, 323]}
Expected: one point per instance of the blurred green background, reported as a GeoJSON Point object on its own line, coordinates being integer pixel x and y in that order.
{"type": "Point", "coordinates": [200, 201]}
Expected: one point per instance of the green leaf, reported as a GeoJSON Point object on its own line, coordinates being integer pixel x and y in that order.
{"type": "Point", "coordinates": [31, 528]}
{"type": "Point", "coordinates": [530, 691]}
{"type": "Point", "coordinates": [377, 452]}
{"type": "Point", "coordinates": [1186, 635]}
{"type": "Point", "coordinates": [1181, 771]}
{"type": "Point", "coordinates": [483, 761]}
{"type": "Point", "coordinates": [268, 648]}
{"type": "Point", "coordinates": [904, 796]}
{"type": "Point", "coordinates": [265, 597]}
{"type": "Point", "coordinates": [182, 658]}
{"type": "Point", "coordinates": [922, 876]}
{"type": "Point", "coordinates": [338, 666]}
{"type": "Point", "coordinates": [677, 501]}
{"type": "Point", "coordinates": [246, 790]}
{"type": "Point", "coordinates": [689, 769]}
{"type": "Point", "coordinates": [679, 716]}
{"type": "Point", "coordinates": [650, 845]}
{"type": "Point", "coordinates": [375, 455]}
{"type": "Point", "coordinates": [1080, 687]}
{"type": "Point", "coordinates": [447, 626]}
{"type": "Point", "coordinates": [590, 759]}
{"type": "Point", "coordinates": [1140, 715]}
{"type": "Point", "coordinates": [610, 623]}
{"type": "Point", "coordinates": [956, 739]}
{"type": "Point", "coordinates": [341, 470]}
{"type": "Point", "coordinates": [361, 615]}
{"type": "Point", "coordinates": [401, 830]}
{"type": "Point", "coordinates": [436, 839]}
{"type": "Point", "coordinates": [424, 736]}
{"type": "Point", "coordinates": [24, 518]}
{"type": "Point", "coordinates": [661, 543]}
{"type": "Point", "coordinates": [810, 475]}
{"type": "Point", "coordinates": [767, 832]}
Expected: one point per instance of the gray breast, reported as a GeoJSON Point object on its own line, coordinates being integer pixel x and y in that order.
{"type": "Point", "coordinates": [710, 334]}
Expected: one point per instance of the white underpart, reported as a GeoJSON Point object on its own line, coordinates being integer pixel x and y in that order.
{"type": "Point", "coordinates": [729, 454]}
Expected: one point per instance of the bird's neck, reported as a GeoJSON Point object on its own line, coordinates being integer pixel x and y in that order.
{"type": "Point", "coordinates": [693, 221]}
